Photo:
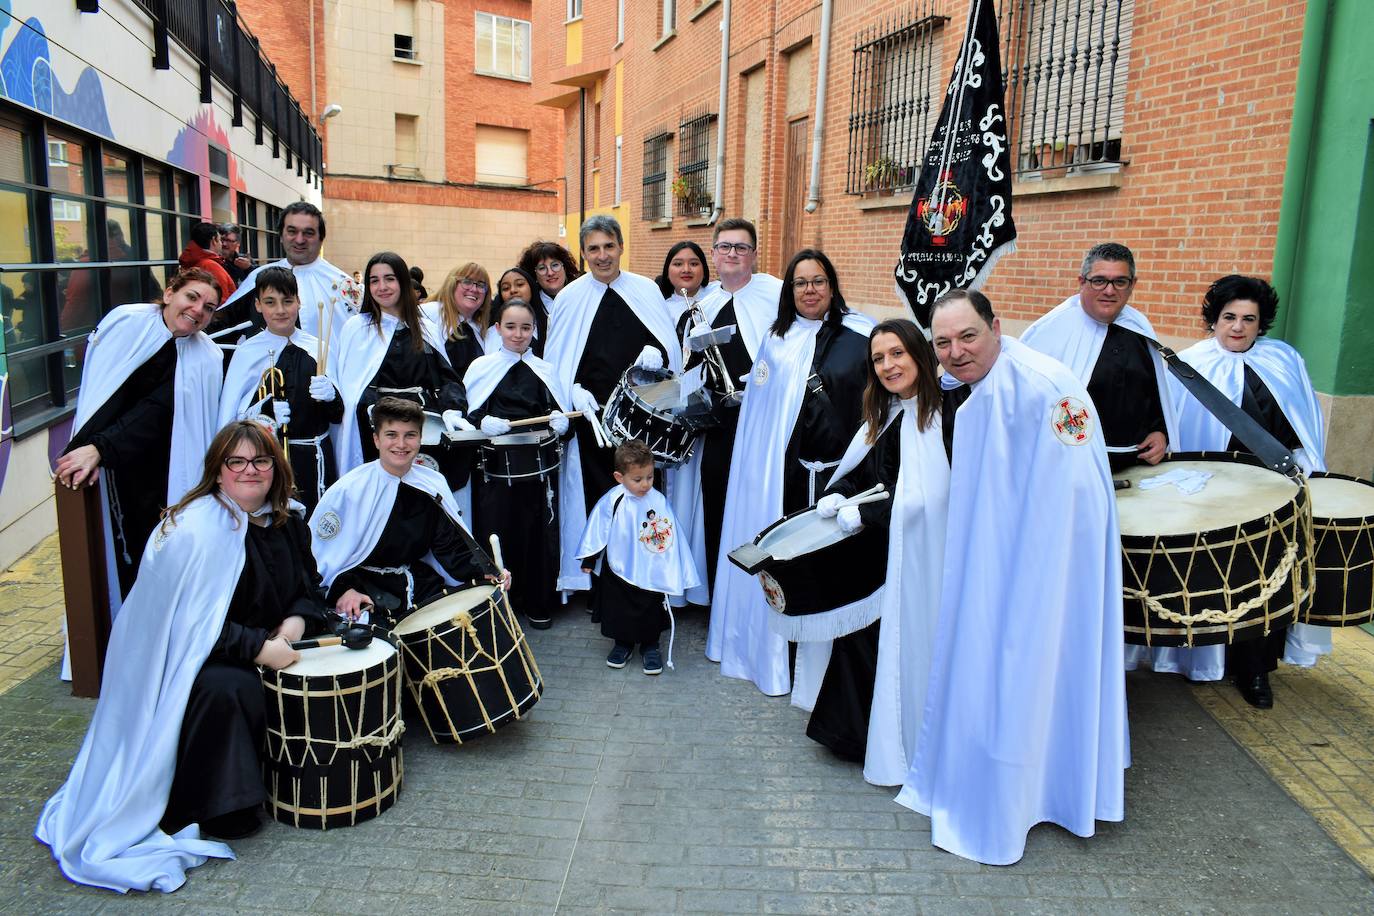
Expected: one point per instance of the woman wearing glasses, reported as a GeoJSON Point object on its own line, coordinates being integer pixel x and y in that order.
{"type": "Point", "coordinates": [802, 403]}
{"type": "Point", "coordinates": [552, 267]}
{"type": "Point", "coordinates": [461, 309]}
{"type": "Point", "coordinates": [227, 583]}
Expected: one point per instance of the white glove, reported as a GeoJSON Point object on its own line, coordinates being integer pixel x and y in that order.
{"type": "Point", "coordinates": [454, 420]}
{"type": "Point", "coordinates": [281, 412]}
{"type": "Point", "coordinates": [495, 426]}
{"type": "Point", "coordinates": [828, 505]}
{"type": "Point", "coordinates": [558, 423]}
{"type": "Point", "coordinates": [849, 519]}
{"type": "Point", "coordinates": [649, 358]}
{"type": "Point", "coordinates": [322, 389]}
{"type": "Point", "coordinates": [582, 399]}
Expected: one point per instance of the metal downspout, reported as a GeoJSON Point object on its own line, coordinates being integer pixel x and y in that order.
{"type": "Point", "coordinates": [813, 197]}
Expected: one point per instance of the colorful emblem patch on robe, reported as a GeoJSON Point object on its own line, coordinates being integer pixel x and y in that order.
{"type": "Point", "coordinates": [1071, 422]}
{"type": "Point", "coordinates": [656, 533]}
{"type": "Point", "coordinates": [772, 592]}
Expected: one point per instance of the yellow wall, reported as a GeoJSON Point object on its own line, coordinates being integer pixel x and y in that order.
{"type": "Point", "coordinates": [572, 54]}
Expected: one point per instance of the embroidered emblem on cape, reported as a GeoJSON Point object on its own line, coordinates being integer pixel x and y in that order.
{"type": "Point", "coordinates": [1071, 422]}
{"type": "Point", "coordinates": [328, 526]}
{"type": "Point", "coordinates": [761, 371]}
{"type": "Point", "coordinates": [772, 593]}
{"type": "Point", "coordinates": [655, 533]}
{"type": "Point", "coordinates": [160, 536]}
{"type": "Point", "coordinates": [426, 461]}
{"type": "Point", "coordinates": [264, 420]}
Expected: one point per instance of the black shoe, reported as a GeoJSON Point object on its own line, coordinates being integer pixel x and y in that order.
{"type": "Point", "coordinates": [540, 623]}
{"type": "Point", "coordinates": [1256, 691]}
{"type": "Point", "coordinates": [619, 656]}
{"type": "Point", "coordinates": [232, 826]}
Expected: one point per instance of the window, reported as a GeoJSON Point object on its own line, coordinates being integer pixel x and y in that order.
{"type": "Point", "coordinates": [406, 159]}
{"type": "Point", "coordinates": [899, 84]}
{"type": "Point", "coordinates": [669, 10]}
{"type": "Point", "coordinates": [692, 187]}
{"type": "Point", "coordinates": [405, 30]}
{"type": "Point", "coordinates": [656, 201]}
{"type": "Point", "coordinates": [1065, 67]}
{"type": "Point", "coordinates": [501, 155]}
{"type": "Point", "coordinates": [503, 47]}
{"type": "Point", "coordinates": [574, 9]}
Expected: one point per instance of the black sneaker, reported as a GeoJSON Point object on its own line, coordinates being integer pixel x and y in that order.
{"type": "Point", "coordinates": [653, 661]}
{"type": "Point", "coordinates": [619, 656]}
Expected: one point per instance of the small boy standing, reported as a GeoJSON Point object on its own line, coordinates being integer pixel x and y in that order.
{"type": "Point", "coordinates": [632, 545]}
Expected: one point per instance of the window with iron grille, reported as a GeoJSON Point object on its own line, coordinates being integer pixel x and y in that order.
{"type": "Point", "coordinates": [1065, 67]}
{"type": "Point", "coordinates": [692, 186]}
{"type": "Point", "coordinates": [895, 97]}
{"type": "Point", "coordinates": [654, 203]}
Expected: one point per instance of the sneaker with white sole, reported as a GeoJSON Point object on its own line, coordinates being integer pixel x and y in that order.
{"type": "Point", "coordinates": [619, 656]}
{"type": "Point", "coordinates": [653, 661]}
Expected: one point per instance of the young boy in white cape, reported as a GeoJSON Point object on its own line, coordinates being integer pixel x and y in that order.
{"type": "Point", "coordinates": [632, 544]}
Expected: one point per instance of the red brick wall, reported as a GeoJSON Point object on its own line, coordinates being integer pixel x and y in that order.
{"type": "Point", "coordinates": [284, 32]}
{"type": "Point", "coordinates": [1206, 133]}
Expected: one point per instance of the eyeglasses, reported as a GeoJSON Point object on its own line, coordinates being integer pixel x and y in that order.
{"type": "Point", "coordinates": [473, 284]}
{"type": "Point", "coordinates": [549, 267]}
{"type": "Point", "coordinates": [736, 247]}
{"type": "Point", "coordinates": [1120, 284]}
{"type": "Point", "coordinates": [800, 284]}
{"type": "Point", "coordinates": [238, 464]}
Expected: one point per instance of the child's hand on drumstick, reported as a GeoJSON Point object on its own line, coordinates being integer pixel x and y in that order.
{"type": "Point", "coordinates": [352, 604]}
{"type": "Point", "coordinates": [504, 579]}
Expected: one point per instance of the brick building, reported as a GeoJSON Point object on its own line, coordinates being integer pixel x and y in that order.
{"type": "Point", "coordinates": [439, 151]}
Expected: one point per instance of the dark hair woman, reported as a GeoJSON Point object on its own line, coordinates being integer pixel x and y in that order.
{"type": "Point", "coordinates": [552, 266]}
{"type": "Point", "coordinates": [684, 267]}
{"type": "Point", "coordinates": [516, 283]}
{"type": "Point", "coordinates": [810, 288]}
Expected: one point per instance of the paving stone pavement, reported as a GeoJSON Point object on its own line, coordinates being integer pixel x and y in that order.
{"type": "Point", "coordinates": [690, 792]}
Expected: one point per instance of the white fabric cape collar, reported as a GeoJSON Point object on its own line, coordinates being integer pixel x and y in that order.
{"type": "Point", "coordinates": [247, 365]}
{"type": "Point", "coordinates": [435, 313]}
{"type": "Point", "coordinates": [486, 372]}
{"type": "Point", "coordinates": [619, 524]}
{"type": "Point", "coordinates": [102, 824]}
{"type": "Point", "coordinates": [756, 308]}
{"type": "Point", "coordinates": [320, 284]}
{"type": "Point", "coordinates": [1283, 372]}
{"type": "Point", "coordinates": [1068, 334]}
{"type": "Point", "coordinates": [360, 355]}
{"type": "Point", "coordinates": [677, 304]}
{"type": "Point", "coordinates": [350, 517]}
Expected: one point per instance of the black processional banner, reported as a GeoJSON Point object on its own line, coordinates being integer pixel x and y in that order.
{"type": "Point", "coordinates": [960, 218]}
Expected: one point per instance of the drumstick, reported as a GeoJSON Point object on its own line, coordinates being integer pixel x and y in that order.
{"type": "Point", "coordinates": [535, 421]}
{"type": "Point", "coordinates": [862, 500]}
{"type": "Point", "coordinates": [352, 638]}
{"type": "Point", "coordinates": [496, 555]}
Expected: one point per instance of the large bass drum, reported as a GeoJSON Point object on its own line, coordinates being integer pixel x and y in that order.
{"type": "Point", "coordinates": [1220, 565]}
{"type": "Point", "coordinates": [1343, 533]}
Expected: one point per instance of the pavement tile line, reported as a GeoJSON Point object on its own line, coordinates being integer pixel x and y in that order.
{"type": "Point", "coordinates": [31, 611]}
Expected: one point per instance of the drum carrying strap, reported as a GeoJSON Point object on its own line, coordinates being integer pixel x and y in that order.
{"type": "Point", "coordinates": [1256, 438]}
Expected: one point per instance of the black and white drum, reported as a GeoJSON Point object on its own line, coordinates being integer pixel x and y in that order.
{"type": "Point", "coordinates": [647, 404]}
{"type": "Point", "coordinates": [809, 567]}
{"type": "Point", "coordinates": [468, 666]}
{"type": "Point", "coordinates": [1343, 534]}
{"type": "Point", "coordinates": [520, 456]}
{"type": "Point", "coordinates": [334, 736]}
{"type": "Point", "coordinates": [1220, 565]}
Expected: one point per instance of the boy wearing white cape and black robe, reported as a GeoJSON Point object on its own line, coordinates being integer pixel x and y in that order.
{"type": "Point", "coordinates": [635, 548]}
{"type": "Point", "coordinates": [607, 320]}
{"type": "Point", "coordinates": [387, 536]}
{"type": "Point", "coordinates": [300, 404]}
{"type": "Point", "coordinates": [1025, 717]}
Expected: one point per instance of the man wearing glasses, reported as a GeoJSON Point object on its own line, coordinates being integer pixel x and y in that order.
{"type": "Point", "coordinates": [1099, 337]}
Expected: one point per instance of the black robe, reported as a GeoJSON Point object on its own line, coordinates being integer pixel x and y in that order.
{"type": "Point", "coordinates": [840, 717]}
{"type": "Point", "coordinates": [1245, 660]}
{"type": "Point", "coordinates": [523, 513]}
{"type": "Point", "coordinates": [1125, 392]}
{"type": "Point", "coordinates": [718, 442]}
{"type": "Point", "coordinates": [417, 524]}
{"type": "Point", "coordinates": [614, 341]}
{"type": "Point", "coordinates": [133, 433]}
{"type": "Point", "coordinates": [462, 351]}
{"type": "Point", "coordinates": [309, 419]}
{"type": "Point", "coordinates": [218, 769]}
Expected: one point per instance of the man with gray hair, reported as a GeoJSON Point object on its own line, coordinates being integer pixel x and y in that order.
{"type": "Point", "coordinates": [607, 320]}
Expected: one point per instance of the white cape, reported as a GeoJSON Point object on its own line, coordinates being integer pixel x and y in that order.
{"type": "Point", "coordinates": [1069, 335]}
{"type": "Point", "coordinates": [324, 290]}
{"type": "Point", "coordinates": [642, 541]}
{"type": "Point", "coordinates": [569, 325]}
{"type": "Point", "coordinates": [486, 372]}
{"type": "Point", "coordinates": [250, 359]}
{"type": "Point", "coordinates": [102, 824]}
{"type": "Point", "coordinates": [741, 636]}
{"type": "Point", "coordinates": [350, 518]}
{"type": "Point", "coordinates": [1025, 717]}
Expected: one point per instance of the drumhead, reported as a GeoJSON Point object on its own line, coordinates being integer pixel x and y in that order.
{"type": "Point", "coordinates": [522, 439]}
{"type": "Point", "coordinates": [1337, 497]}
{"type": "Point", "coordinates": [324, 661]}
{"type": "Point", "coordinates": [1236, 493]}
{"type": "Point", "coordinates": [802, 534]}
{"type": "Point", "coordinates": [440, 611]}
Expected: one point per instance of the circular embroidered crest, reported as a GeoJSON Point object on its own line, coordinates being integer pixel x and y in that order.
{"type": "Point", "coordinates": [1071, 422]}
{"type": "Point", "coordinates": [772, 593]}
{"type": "Point", "coordinates": [328, 526]}
{"type": "Point", "coordinates": [426, 461]}
{"type": "Point", "coordinates": [263, 419]}
{"type": "Point", "coordinates": [160, 536]}
{"type": "Point", "coordinates": [761, 371]}
{"type": "Point", "coordinates": [655, 533]}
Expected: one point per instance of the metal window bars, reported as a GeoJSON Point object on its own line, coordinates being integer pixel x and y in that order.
{"type": "Point", "coordinates": [655, 176]}
{"type": "Point", "coordinates": [895, 96]}
{"type": "Point", "coordinates": [692, 193]}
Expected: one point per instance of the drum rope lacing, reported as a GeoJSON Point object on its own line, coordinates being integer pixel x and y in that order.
{"type": "Point", "coordinates": [1269, 590]}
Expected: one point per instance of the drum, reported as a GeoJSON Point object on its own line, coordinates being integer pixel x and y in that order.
{"type": "Point", "coordinates": [334, 736]}
{"type": "Point", "coordinates": [433, 432]}
{"type": "Point", "coordinates": [1221, 565]}
{"type": "Point", "coordinates": [822, 583]}
{"type": "Point", "coordinates": [467, 664]}
{"type": "Point", "coordinates": [520, 456]}
{"type": "Point", "coordinates": [647, 405]}
{"type": "Point", "coordinates": [1342, 516]}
